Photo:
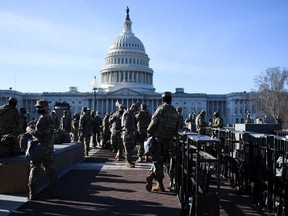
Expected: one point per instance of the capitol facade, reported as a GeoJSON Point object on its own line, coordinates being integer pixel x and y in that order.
{"type": "Point", "coordinates": [126, 79]}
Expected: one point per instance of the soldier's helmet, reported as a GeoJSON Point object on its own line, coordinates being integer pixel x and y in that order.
{"type": "Point", "coordinates": [144, 106]}
{"type": "Point", "coordinates": [41, 103]}
{"type": "Point", "coordinates": [167, 94]}
{"type": "Point", "coordinates": [179, 108]}
{"type": "Point", "coordinates": [12, 101]}
{"type": "Point", "coordinates": [216, 114]}
{"type": "Point", "coordinates": [23, 110]}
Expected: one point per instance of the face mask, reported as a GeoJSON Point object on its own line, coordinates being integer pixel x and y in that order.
{"type": "Point", "coordinates": [41, 111]}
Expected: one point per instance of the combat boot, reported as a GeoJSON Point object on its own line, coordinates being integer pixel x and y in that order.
{"type": "Point", "coordinates": [149, 181]}
{"type": "Point", "coordinates": [129, 164]}
{"type": "Point", "coordinates": [159, 187]}
{"type": "Point", "coordinates": [139, 160]}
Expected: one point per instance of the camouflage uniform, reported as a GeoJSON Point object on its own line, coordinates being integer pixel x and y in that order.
{"type": "Point", "coordinates": [85, 127]}
{"type": "Point", "coordinates": [11, 125]}
{"type": "Point", "coordinates": [106, 133]}
{"type": "Point", "coordinates": [200, 123]}
{"type": "Point", "coordinates": [75, 127]}
{"type": "Point", "coordinates": [143, 119]}
{"type": "Point", "coordinates": [96, 129]}
{"type": "Point", "coordinates": [116, 140]}
{"type": "Point", "coordinates": [43, 132]}
{"type": "Point", "coordinates": [163, 126]}
{"type": "Point", "coordinates": [65, 122]}
{"type": "Point", "coordinates": [129, 129]}
{"type": "Point", "coordinates": [56, 120]}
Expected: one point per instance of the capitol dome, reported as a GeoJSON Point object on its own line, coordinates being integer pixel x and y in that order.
{"type": "Point", "coordinates": [127, 64]}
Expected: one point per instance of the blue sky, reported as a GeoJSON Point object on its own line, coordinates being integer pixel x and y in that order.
{"type": "Point", "coordinates": [207, 46]}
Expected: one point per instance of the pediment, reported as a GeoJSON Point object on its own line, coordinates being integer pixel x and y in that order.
{"type": "Point", "coordinates": [125, 92]}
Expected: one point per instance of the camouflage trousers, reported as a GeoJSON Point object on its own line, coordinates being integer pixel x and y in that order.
{"type": "Point", "coordinates": [116, 141]}
{"type": "Point", "coordinates": [47, 164]}
{"type": "Point", "coordinates": [159, 158]}
{"type": "Point", "coordinates": [140, 145]}
{"type": "Point", "coordinates": [129, 145]}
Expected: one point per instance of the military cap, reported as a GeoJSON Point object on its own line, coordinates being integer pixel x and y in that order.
{"type": "Point", "coordinates": [179, 108]}
{"type": "Point", "coordinates": [216, 113]}
{"type": "Point", "coordinates": [41, 103]}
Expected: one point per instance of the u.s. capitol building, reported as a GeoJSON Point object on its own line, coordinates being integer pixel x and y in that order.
{"type": "Point", "coordinates": [127, 78]}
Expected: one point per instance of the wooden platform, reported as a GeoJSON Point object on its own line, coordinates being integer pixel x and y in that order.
{"type": "Point", "coordinates": [14, 171]}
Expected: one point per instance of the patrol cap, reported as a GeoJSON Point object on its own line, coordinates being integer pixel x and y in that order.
{"type": "Point", "coordinates": [41, 103]}
{"type": "Point", "coordinates": [179, 108]}
{"type": "Point", "coordinates": [167, 94]}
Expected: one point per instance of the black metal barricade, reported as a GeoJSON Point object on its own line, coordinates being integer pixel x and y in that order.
{"type": "Point", "coordinates": [198, 174]}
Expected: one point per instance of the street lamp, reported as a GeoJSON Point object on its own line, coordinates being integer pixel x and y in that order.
{"type": "Point", "coordinates": [94, 87]}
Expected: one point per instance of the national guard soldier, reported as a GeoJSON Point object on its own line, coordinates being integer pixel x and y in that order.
{"type": "Point", "coordinates": [75, 127]}
{"type": "Point", "coordinates": [217, 120]}
{"type": "Point", "coordinates": [181, 118]}
{"type": "Point", "coordinates": [43, 133]}
{"type": "Point", "coordinates": [85, 129]}
{"type": "Point", "coordinates": [163, 126]}
{"type": "Point", "coordinates": [143, 119]}
{"type": "Point", "coordinates": [116, 129]}
{"type": "Point", "coordinates": [10, 119]}
{"type": "Point", "coordinates": [10, 128]}
{"type": "Point", "coordinates": [106, 133]}
{"type": "Point", "coordinates": [96, 129]}
{"type": "Point", "coordinates": [129, 130]}
{"type": "Point", "coordinates": [200, 122]}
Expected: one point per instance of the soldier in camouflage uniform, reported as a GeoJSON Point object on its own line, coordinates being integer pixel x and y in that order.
{"type": "Point", "coordinates": [200, 122]}
{"type": "Point", "coordinates": [143, 119]}
{"type": "Point", "coordinates": [181, 118]}
{"type": "Point", "coordinates": [43, 132]}
{"type": "Point", "coordinates": [11, 125]}
{"type": "Point", "coordinates": [75, 127]}
{"type": "Point", "coordinates": [116, 129]}
{"type": "Point", "coordinates": [129, 129]}
{"type": "Point", "coordinates": [85, 129]}
{"type": "Point", "coordinates": [163, 126]}
{"type": "Point", "coordinates": [106, 133]}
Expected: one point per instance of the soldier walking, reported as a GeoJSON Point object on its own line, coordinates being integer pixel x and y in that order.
{"type": "Point", "coordinates": [143, 119]}
{"type": "Point", "coordinates": [85, 127]}
{"type": "Point", "coordinates": [163, 126]}
{"type": "Point", "coordinates": [129, 129]}
{"type": "Point", "coordinates": [116, 129]}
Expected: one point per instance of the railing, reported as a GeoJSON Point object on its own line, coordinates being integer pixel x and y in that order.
{"type": "Point", "coordinates": [254, 163]}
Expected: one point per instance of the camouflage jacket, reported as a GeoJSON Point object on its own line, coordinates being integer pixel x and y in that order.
{"type": "Point", "coordinates": [129, 121]}
{"type": "Point", "coordinates": [164, 123]}
{"type": "Point", "coordinates": [143, 119]}
{"type": "Point", "coordinates": [10, 120]}
{"type": "Point", "coordinates": [44, 129]}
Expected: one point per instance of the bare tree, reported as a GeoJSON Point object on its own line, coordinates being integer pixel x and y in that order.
{"type": "Point", "coordinates": [271, 96]}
